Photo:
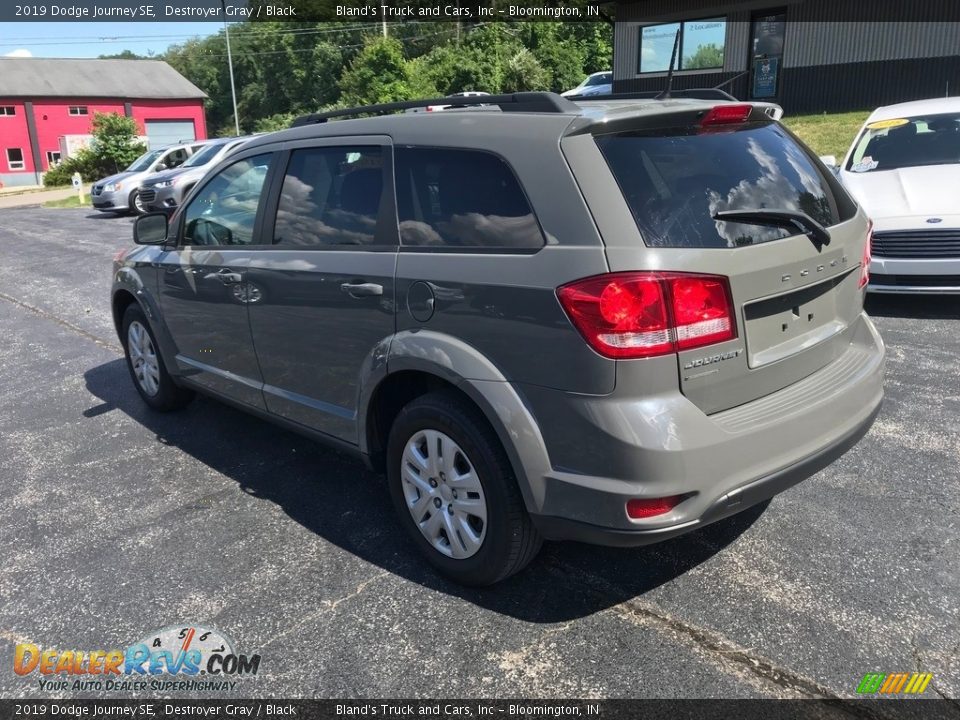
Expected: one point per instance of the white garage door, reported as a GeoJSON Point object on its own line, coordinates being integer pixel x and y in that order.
{"type": "Point", "coordinates": [161, 133]}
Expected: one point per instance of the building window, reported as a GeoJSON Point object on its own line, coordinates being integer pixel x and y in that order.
{"type": "Point", "coordinates": [701, 45]}
{"type": "Point", "coordinates": [15, 159]}
{"type": "Point", "coordinates": [7, 110]}
{"type": "Point", "coordinates": [78, 110]}
{"type": "Point", "coordinates": [53, 157]}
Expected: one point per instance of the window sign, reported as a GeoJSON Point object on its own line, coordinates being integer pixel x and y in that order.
{"type": "Point", "coordinates": [702, 44]}
{"type": "Point", "coordinates": [656, 46]}
{"type": "Point", "coordinates": [765, 77]}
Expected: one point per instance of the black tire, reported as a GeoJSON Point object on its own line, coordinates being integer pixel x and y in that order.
{"type": "Point", "coordinates": [169, 395]}
{"type": "Point", "coordinates": [511, 540]}
{"type": "Point", "coordinates": [132, 204]}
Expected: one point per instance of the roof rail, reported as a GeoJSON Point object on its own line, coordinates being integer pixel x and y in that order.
{"type": "Point", "coordinates": [532, 102]}
{"type": "Point", "coordinates": [694, 93]}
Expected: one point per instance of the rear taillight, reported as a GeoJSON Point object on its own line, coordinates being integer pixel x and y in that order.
{"type": "Point", "coordinates": [640, 508]}
{"type": "Point", "coordinates": [726, 115]}
{"type": "Point", "coordinates": [867, 257]}
{"type": "Point", "coordinates": [644, 314]}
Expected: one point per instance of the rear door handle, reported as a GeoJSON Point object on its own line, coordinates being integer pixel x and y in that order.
{"type": "Point", "coordinates": [361, 289]}
{"type": "Point", "coordinates": [228, 277]}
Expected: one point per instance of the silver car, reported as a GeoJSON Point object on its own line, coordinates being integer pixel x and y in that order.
{"type": "Point", "coordinates": [119, 193]}
{"type": "Point", "coordinates": [164, 191]}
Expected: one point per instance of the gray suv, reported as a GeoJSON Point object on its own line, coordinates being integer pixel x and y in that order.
{"type": "Point", "coordinates": [164, 191]}
{"type": "Point", "coordinates": [612, 322]}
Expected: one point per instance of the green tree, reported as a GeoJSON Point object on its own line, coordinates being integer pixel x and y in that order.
{"type": "Point", "coordinates": [380, 74]}
{"type": "Point", "coordinates": [115, 142]}
{"type": "Point", "coordinates": [523, 72]}
{"type": "Point", "coordinates": [706, 56]}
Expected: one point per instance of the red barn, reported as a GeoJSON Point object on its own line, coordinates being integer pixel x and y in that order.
{"type": "Point", "coordinates": [45, 99]}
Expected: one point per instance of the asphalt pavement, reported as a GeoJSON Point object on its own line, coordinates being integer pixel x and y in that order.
{"type": "Point", "coordinates": [116, 521]}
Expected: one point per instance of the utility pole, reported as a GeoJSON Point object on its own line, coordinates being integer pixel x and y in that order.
{"type": "Point", "coordinates": [383, 24]}
{"type": "Point", "coordinates": [233, 87]}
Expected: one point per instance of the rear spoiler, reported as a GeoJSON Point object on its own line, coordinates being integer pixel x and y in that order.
{"type": "Point", "coordinates": [618, 118]}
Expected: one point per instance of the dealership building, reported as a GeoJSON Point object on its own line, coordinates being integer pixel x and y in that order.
{"type": "Point", "coordinates": [807, 55]}
{"type": "Point", "coordinates": [44, 102]}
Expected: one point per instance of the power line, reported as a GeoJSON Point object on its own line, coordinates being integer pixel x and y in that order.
{"type": "Point", "coordinates": [339, 47]}
{"type": "Point", "coordinates": [82, 40]}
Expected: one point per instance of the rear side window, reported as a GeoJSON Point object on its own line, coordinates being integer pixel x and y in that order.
{"type": "Point", "coordinates": [462, 199]}
{"type": "Point", "coordinates": [676, 180]}
{"type": "Point", "coordinates": [330, 196]}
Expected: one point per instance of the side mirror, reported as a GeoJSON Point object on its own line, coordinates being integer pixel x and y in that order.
{"type": "Point", "coordinates": [161, 167]}
{"type": "Point", "coordinates": [150, 229]}
{"type": "Point", "coordinates": [829, 160]}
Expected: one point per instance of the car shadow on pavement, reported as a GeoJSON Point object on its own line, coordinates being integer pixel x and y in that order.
{"type": "Point", "coordinates": [937, 307]}
{"type": "Point", "coordinates": [324, 491]}
{"type": "Point", "coordinates": [106, 216]}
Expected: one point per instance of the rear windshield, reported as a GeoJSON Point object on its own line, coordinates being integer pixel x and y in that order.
{"type": "Point", "coordinates": [907, 142]}
{"type": "Point", "coordinates": [676, 180]}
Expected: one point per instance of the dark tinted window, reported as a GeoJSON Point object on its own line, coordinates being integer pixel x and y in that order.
{"type": "Point", "coordinates": [330, 196]}
{"type": "Point", "coordinates": [462, 199]}
{"type": "Point", "coordinates": [675, 181]}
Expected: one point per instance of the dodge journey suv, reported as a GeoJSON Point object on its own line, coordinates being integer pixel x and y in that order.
{"type": "Point", "coordinates": [612, 321]}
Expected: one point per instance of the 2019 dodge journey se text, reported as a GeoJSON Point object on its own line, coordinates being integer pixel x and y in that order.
{"type": "Point", "coordinates": [613, 321]}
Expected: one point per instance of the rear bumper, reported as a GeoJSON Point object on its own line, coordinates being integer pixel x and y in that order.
{"type": "Point", "coordinates": [914, 275]}
{"type": "Point", "coordinates": [737, 500]}
{"type": "Point", "coordinates": [721, 464]}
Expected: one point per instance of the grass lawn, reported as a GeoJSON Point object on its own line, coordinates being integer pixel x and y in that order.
{"type": "Point", "coordinates": [827, 134]}
{"type": "Point", "coordinates": [69, 202]}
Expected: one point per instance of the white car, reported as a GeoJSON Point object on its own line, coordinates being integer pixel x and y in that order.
{"type": "Point", "coordinates": [904, 169]}
{"type": "Point", "coordinates": [600, 83]}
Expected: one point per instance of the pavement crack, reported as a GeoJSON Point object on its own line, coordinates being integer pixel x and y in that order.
{"type": "Point", "coordinates": [718, 645]}
{"type": "Point", "coordinates": [62, 323]}
{"type": "Point", "coordinates": [332, 604]}
{"type": "Point", "coordinates": [715, 644]}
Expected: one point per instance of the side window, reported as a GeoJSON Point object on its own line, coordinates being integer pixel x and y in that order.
{"type": "Point", "coordinates": [330, 196]}
{"type": "Point", "coordinates": [462, 199]}
{"type": "Point", "coordinates": [176, 158]}
{"type": "Point", "coordinates": [224, 211]}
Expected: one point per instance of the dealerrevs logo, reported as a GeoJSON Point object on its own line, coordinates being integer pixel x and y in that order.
{"type": "Point", "coordinates": [184, 651]}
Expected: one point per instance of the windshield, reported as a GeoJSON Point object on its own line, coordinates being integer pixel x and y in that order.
{"type": "Point", "coordinates": [204, 155]}
{"type": "Point", "coordinates": [907, 142]}
{"type": "Point", "coordinates": [144, 161]}
{"type": "Point", "coordinates": [596, 80]}
{"type": "Point", "coordinates": [676, 180]}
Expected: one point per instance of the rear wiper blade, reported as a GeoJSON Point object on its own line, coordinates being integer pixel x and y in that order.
{"type": "Point", "coordinates": [817, 233]}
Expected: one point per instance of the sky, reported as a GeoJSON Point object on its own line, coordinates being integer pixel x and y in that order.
{"type": "Point", "coordinates": [91, 39]}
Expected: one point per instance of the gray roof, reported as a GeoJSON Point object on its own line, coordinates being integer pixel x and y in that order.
{"type": "Point", "coordinates": [62, 77]}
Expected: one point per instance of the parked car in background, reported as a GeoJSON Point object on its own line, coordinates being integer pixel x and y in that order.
{"type": "Point", "coordinates": [119, 193]}
{"type": "Point", "coordinates": [904, 169]}
{"type": "Point", "coordinates": [606, 321]}
{"type": "Point", "coordinates": [599, 83]}
{"type": "Point", "coordinates": [165, 190]}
